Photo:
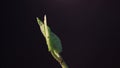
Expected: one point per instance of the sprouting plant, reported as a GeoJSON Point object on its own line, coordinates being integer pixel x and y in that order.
{"type": "Point", "coordinates": [53, 42]}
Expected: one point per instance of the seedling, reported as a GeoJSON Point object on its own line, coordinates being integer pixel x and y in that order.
{"type": "Point", "coordinates": [53, 42]}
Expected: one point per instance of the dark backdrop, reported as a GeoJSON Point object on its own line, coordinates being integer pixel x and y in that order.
{"type": "Point", "coordinates": [89, 31]}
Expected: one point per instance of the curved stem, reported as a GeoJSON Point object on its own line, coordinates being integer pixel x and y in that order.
{"type": "Point", "coordinates": [58, 57]}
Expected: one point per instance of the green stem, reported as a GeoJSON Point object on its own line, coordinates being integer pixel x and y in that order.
{"type": "Point", "coordinates": [59, 59]}
{"type": "Point", "coordinates": [64, 65]}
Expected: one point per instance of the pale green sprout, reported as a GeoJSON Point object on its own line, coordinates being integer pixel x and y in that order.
{"type": "Point", "coordinates": [53, 41]}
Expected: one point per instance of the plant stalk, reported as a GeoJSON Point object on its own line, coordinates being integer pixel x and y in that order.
{"type": "Point", "coordinates": [59, 59]}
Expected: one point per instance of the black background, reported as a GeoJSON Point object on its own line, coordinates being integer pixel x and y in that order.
{"type": "Point", "coordinates": [89, 31]}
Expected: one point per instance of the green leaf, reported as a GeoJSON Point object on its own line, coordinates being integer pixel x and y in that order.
{"type": "Point", "coordinates": [52, 40]}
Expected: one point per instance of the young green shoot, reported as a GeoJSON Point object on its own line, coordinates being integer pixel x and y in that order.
{"type": "Point", "coordinates": [53, 42]}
